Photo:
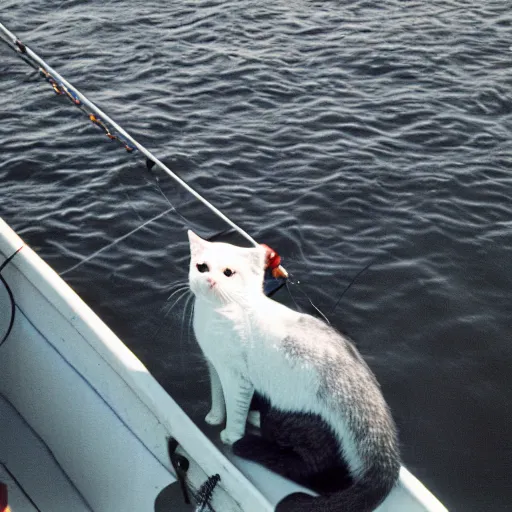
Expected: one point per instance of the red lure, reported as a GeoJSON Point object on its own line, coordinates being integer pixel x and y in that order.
{"type": "Point", "coordinates": [273, 262]}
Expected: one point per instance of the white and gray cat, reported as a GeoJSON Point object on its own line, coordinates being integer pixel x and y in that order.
{"type": "Point", "coordinates": [324, 421]}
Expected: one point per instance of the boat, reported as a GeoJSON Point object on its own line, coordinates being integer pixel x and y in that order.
{"type": "Point", "coordinates": [85, 427]}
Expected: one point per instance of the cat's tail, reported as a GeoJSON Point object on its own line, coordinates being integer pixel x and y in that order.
{"type": "Point", "coordinates": [364, 495]}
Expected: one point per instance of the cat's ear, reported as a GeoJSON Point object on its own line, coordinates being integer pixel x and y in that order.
{"type": "Point", "coordinates": [197, 244]}
{"type": "Point", "coordinates": [257, 259]}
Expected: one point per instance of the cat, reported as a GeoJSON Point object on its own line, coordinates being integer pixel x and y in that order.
{"type": "Point", "coordinates": [324, 421]}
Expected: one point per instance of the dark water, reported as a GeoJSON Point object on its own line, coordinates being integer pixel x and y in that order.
{"type": "Point", "coordinates": [337, 132]}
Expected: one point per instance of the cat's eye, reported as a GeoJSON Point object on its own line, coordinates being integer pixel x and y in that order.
{"type": "Point", "coordinates": [228, 272]}
{"type": "Point", "coordinates": [202, 267]}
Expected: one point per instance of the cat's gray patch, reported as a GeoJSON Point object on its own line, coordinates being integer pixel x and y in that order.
{"type": "Point", "coordinates": [293, 349]}
{"type": "Point", "coordinates": [346, 383]}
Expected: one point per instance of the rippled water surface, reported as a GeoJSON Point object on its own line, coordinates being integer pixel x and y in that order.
{"type": "Point", "coordinates": [338, 132]}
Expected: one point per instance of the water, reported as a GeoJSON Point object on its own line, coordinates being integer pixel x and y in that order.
{"type": "Point", "coordinates": [336, 132]}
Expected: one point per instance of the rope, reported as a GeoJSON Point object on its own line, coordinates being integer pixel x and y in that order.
{"type": "Point", "coordinates": [204, 495]}
{"type": "Point", "coordinates": [11, 296]}
{"type": "Point", "coordinates": [115, 132]}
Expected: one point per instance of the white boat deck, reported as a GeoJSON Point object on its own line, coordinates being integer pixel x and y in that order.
{"type": "Point", "coordinates": [35, 480]}
{"type": "Point", "coordinates": [102, 421]}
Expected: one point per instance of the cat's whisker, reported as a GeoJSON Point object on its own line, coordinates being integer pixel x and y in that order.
{"type": "Point", "coordinates": [165, 305]}
{"type": "Point", "coordinates": [224, 295]}
{"type": "Point", "coordinates": [176, 302]}
{"type": "Point", "coordinates": [182, 323]}
{"type": "Point", "coordinates": [182, 352]}
{"type": "Point", "coordinates": [191, 319]}
{"type": "Point", "coordinates": [178, 286]}
{"type": "Point", "coordinates": [167, 312]}
{"type": "Point", "coordinates": [176, 291]}
{"type": "Point", "coordinates": [174, 286]}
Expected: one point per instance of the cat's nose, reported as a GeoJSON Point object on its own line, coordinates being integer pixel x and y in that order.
{"type": "Point", "coordinates": [210, 281]}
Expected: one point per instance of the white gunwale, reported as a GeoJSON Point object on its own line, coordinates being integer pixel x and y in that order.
{"type": "Point", "coordinates": [156, 416]}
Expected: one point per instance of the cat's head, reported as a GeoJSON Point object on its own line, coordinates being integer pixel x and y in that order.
{"type": "Point", "coordinates": [223, 273]}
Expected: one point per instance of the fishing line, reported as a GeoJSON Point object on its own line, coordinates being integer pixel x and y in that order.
{"type": "Point", "coordinates": [307, 297]}
{"type": "Point", "coordinates": [164, 195]}
{"type": "Point", "coordinates": [292, 296]}
{"type": "Point", "coordinates": [116, 241]}
{"type": "Point", "coordinates": [352, 281]}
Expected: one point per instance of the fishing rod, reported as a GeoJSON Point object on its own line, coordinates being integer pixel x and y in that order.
{"type": "Point", "coordinates": [115, 132]}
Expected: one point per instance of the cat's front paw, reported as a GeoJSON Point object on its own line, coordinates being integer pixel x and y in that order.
{"type": "Point", "coordinates": [229, 438]}
{"type": "Point", "coordinates": [215, 418]}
